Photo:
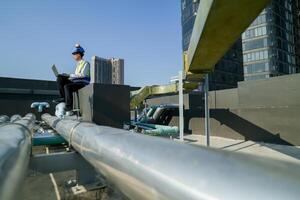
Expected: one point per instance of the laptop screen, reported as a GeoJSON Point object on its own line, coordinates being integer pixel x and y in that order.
{"type": "Point", "coordinates": [54, 69]}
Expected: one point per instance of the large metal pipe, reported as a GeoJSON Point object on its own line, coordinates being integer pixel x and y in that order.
{"type": "Point", "coordinates": [3, 118]}
{"type": "Point", "coordinates": [15, 146]}
{"type": "Point", "coordinates": [15, 118]}
{"type": "Point", "coordinates": [145, 167]}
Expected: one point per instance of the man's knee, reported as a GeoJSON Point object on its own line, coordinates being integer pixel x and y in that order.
{"type": "Point", "coordinates": [59, 79]}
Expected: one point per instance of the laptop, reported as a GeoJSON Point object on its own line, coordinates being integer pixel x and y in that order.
{"type": "Point", "coordinates": [55, 71]}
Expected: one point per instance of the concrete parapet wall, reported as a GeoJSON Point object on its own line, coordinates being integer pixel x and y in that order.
{"type": "Point", "coordinates": [16, 95]}
{"type": "Point", "coordinates": [279, 91]}
{"type": "Point", "coordinates": [265, 110]}
{"type": "Point", "coordinates": [261, 124]}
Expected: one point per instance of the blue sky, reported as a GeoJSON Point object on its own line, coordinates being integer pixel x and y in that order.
{"type": "Point", "coordinates": [34, 34]}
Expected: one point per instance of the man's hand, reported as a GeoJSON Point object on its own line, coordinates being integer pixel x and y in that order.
{"type": "Point", "coordinates": [72, 76]}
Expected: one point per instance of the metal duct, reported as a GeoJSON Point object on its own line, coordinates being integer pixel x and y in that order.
{"type": "Point", "coordinates": [145, 167]}
{"type": "Point", "coordinates": [15, 146]}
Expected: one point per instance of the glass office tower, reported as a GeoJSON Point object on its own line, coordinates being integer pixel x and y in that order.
{"type": "Point", "coordinates": [229, 70]}
{"type": "Point", "coordinates": [269, 44]}
{"type": "Point", "coordinates": [296, 14]}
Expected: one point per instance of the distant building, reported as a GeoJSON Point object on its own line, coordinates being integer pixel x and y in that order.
{"type": "Point", "coordinates": [229, 70]}
{"type": "Point", "coordinates": [107, 71]}
{"type": "Point", "coordinates": [117, 71]}
{"type": "Point", "coordinates": [270, 43]}
{"type": "Point", "coordinates": [101, 70]}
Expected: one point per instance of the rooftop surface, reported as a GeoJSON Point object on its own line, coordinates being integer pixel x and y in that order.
{"type": "Point", "coordinates": [274, 151]}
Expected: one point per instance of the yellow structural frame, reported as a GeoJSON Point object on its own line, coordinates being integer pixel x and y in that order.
{"type": "Point", "coordinates": [137, 97]}
{"type": "Point", "coordinates": [218, 25]}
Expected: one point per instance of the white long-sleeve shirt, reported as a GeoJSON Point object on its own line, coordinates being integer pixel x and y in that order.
{"type": "Point", "coordinates": [82, 72]}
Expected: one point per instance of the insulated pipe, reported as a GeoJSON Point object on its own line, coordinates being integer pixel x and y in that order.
{"type": "Point", "coordinates": [3, 118]}
{"type": "Point", "coordinates": [145, 167]}
{"type": "Point", "coordinates": [47, 139]}
{"type": "Point", "coordinates": [15, 118]}
{"type": "Point", "coordinates": [15, 146]}
{"type": "Point", "coordinates": [157, 113]}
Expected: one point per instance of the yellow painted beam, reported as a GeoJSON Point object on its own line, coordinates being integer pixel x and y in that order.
{"type": "Point", "coordinates": [137, 97]}
{"type": "Point", "coordinates": [219, 23]}
{"type": "Point", "coordinates": [189, 76]}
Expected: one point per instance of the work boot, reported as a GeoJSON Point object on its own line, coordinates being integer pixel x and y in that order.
{"type": "Point", "coordinates": [69, 113]}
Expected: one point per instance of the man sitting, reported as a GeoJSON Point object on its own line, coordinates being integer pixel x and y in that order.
{"type": "Point", "coordinates": [69, 83]}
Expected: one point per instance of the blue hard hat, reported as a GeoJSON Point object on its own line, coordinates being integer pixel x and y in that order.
{"type": "Point", "coordinates": [78, 49]}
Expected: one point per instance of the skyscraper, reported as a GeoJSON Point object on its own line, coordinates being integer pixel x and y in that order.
{"type": "Point", "coordinates": [229, 70]}
{"type": "Point", "coordinates": [107, 71]}
{"type": "Point", "coordinates": [269, 44]}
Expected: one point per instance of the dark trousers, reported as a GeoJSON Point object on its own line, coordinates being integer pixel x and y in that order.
{"type": "Point", "coordinates": [66, 89]}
